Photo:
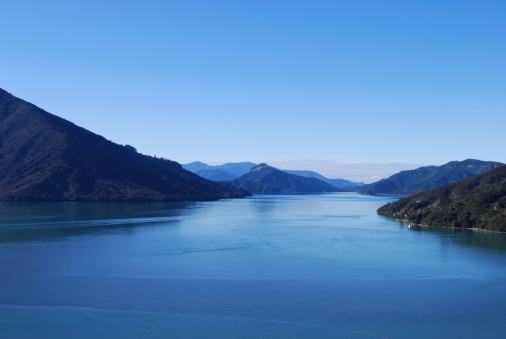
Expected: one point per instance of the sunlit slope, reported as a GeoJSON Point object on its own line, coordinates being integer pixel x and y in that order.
{"type": "Point", "coordinates": [476, 202]}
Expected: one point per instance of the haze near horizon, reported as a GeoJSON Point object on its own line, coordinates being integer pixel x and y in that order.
{"type": "Point", "coordinates": [224, 81]}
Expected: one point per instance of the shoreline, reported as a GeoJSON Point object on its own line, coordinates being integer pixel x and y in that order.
{"type": "Point", "coordinates": [474, 229]}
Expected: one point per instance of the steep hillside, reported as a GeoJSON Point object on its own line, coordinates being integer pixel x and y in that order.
{"type": "Point", "coordinates": [476, 202]}
{"type": "Point", "coordinates": [424, 178]}
{"type": "Point", "coordinates": [46, 158]}
{"type": "Point", "coordinates": [264, 179]}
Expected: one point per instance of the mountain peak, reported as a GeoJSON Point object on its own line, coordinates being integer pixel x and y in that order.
{"type": "Point", "coordinates": [265, 179]}
{"type": "Point", "coordinates": [261, 167]}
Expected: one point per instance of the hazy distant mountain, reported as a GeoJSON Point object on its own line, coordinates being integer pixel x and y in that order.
{"type": "Point", "coordinates": [215, 174]}
{"type": "Point", "coordinates": [476, 202]}
{"type": "Point", "coordinates": [339, 183]}
{"type": "Point", "coordinates": [223, 172]}
{"type": "Point", "coordinates": [46, 158]}
{"type": "Point", "coordinates": [424, 178]}
{"type": "Point", "coordinates": [358, 172]}
{"type": "Point", "coordinates": [264, 179]}
{"type": "Point", "coordinates": [230, 171]}
{"type": "Point", "coordinates": [195, 166]}
{"type": "Point", "coordinates": [237, 168]}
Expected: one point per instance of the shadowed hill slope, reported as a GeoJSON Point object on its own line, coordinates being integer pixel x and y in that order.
{"type": "Point", "coordinates": [46, 158]}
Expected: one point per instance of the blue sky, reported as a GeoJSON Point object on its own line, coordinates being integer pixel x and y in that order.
{"type": "Point", "coordinates": [420, 82]}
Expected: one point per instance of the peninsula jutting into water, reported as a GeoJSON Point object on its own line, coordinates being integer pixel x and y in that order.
{"type": "Point", "coordinates": [478, 202]}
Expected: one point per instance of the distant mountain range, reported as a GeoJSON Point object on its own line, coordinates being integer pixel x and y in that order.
{"type": "Point", "coordinates": [475, 202]}
{"type": "Point", "coordinates": [46, 158]}
{"type": "Point", "coordinates": [230, 171]}
{"type": "Point", "coordinates": [264, 179]}
{"type": "Point", "coordinates": [424, 178]}
{"type": "Point", "coordinates": [342, 184]}
{"type": "Point", "coordinates": [223, 172]}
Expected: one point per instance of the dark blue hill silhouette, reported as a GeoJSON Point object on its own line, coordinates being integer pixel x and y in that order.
{"type": "Point", "coordinates": [46, 158]}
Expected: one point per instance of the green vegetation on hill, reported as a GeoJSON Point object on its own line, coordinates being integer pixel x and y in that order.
{"type": "Point", "coordinates": [46, 158]}
{"type": "Point", "coordinates": [425, 178]}
{"type": "Point", "coordinates": [477, 202]}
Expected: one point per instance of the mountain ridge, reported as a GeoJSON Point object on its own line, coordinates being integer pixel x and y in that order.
{"type": "Point", "coordinates": [265, 179]}
{"type": "Point", "coordinates": [223, 172]}
{"type": "Point", "coordinates": [46, 158]}
{"type": "Point", "coordinates": [230, 171]}
{"type": "Point", "coordinates": [339, 183]}
{"type": "Point", "coordinates": [428, 177]}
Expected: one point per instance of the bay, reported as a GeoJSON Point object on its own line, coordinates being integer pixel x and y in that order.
{"type": "Point", "coordinates": [262, 267]}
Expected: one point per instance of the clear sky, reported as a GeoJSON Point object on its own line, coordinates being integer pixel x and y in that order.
{"type": "Point", "coordinates": [354, 81]}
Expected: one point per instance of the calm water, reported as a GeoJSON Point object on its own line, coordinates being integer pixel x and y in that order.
{"type": "Point", "coordinates": [263, 267]}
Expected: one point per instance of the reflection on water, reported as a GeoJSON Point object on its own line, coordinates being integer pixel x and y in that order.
{"type": "Point", "coordinates": [265, 266]}
{"type": "Point", "coordinates": [21, 222]}
{"type": "Point", "coordinates": [475, 238]}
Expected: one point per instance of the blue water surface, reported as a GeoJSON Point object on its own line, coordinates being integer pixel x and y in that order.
{"type": "Point", "coordinates": [285, 266]}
